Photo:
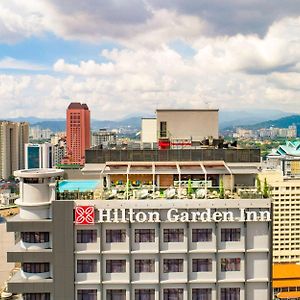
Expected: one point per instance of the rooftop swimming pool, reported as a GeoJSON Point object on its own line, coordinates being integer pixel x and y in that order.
{"type": "Point", "coordinates": [75, 185]}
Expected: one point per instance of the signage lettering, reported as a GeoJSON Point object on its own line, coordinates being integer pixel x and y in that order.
{"type": "Point", "coordinates": [86, 215]}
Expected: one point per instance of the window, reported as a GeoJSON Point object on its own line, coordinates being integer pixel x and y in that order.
{"type": "Point", "coordinates": [36, 296]}
{"type": "Point", "coordinates": [116, 266]}
{"type": "Point", "coordinates": [144, 294]}
{"type": "Point", "coordinates": [230, 264]}
{"type": "Point", "coordinates": [86, 266]}
{"type": "Point", "coordinates": [87, 236]}
{"type": "Point", "coordinates": [202, 265]}
{"type": "Point", "coordinates": [201, 294]}
{"type": "Point", "coordinates": [202, 235]}
{"type": "Point", "coordinates": [163, 129]}
{"type": "Point", "coordinates": [116, 236]}
{"type": "Point", "coordinates": [173, 235]}
{"type": "Point", "coordinates": [35, 237]}
{"type": "Point", "coordinates": [144, 265]}
{"type": "Point", "coordinates": [173, 265]}
{"type": "Point", "coordinates": [116, 294]}
{"type": "Point", "coordinates": [173, 294]}
{"type": "Point", "coordinates": [230, 234]}
{"type": "Point", "coordinates": [230, 294]}
{"type": "Point", "coordinates": [86, 294]}
{"type": "Point", "coordinates": [36, 267]}
{"type": "Point", "coordinates": [144, 235]}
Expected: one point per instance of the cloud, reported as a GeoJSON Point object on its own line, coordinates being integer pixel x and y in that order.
{"type": "Point", "coordinates": [240, 56]}
{"type": "Point", "coordinates": [11, 63]}
{"type": "Point", "coordinates": [231, 17]}
{"type": "Point", "coordinates": [18, 22]}
{"type": "Point", "coordinates": [147, 23]}
{"type": "Point", "coordinates": [277, 51]}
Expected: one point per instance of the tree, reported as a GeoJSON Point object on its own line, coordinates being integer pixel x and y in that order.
{"type": "Point", "coordinates": [221, 189]}
{"type": "Point", "coordinates": [190, 189]}
{"type": "Point", "coordinates": [266, 189]}
{"type": "Point", "coordinates": [258, 184]}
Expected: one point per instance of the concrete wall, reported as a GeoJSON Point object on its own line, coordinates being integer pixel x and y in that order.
{"type": "Point", "coordinates": [197, 124]}
{"type": "Point", "coordinates": [149, 131]}
{"type": "Point", "coordinates": [77, 174]}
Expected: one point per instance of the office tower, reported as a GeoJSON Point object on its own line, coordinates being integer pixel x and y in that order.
{"type": "Point", "coordinates": [285, 191]}
{"type": "Point", "coordinates": [103, 137]}
{"type": "Point", "coordinates": [39, 156]}
{"type": "Point", "coordinates": [13, 136]}
{"type": "Point", "coordinates": [78, 132]}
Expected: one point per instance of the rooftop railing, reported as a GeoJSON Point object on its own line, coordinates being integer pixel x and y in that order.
{"type": "Point", "coordinates": [148, 191]}
{"type": "Point", "coordinates": [192, 154]}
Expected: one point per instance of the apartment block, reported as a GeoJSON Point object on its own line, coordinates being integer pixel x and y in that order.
{"type": "Point", "coordinates": [13, 136]}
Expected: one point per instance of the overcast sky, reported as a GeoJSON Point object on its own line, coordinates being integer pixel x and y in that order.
{"type": "Point", "coordinates": [129, 57]}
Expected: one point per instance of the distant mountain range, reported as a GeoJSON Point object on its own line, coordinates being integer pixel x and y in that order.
{"type": "Point", "coordinates": [230, 119]}
{"type": "Point", "coordinates": [227, 119]}
{"type": "Point", "coordinates": [60, 124]}
{"type": "Point", "coordinates": [280, 123]}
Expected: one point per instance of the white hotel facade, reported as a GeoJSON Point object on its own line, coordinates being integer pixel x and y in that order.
{"type": "Point", "coordinates": [224, 256]}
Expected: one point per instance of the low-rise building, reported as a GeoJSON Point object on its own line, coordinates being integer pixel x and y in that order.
{"type": "Point", "coordinates": [286, 281]}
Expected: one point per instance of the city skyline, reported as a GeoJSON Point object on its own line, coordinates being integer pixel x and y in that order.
{"type": "Point", "coordinates": [146, 55]}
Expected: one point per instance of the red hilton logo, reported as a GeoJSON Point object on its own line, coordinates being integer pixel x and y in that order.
{"type": "Point", "coordinates": [84, 215]}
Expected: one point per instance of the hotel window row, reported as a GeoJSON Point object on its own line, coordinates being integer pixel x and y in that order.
{"type": "Point", "coordinates": [171, 235]}
{"type": "Point", "coordinates": [168, 294]}
{"type": "Point", "coordinates": [148, 265]}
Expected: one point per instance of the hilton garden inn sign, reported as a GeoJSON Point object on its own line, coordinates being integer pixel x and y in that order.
{"type": "Point", "coordinates": [85, 215]}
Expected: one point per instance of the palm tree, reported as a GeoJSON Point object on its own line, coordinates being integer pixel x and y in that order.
{"type": "Point", "coordinates": [190, 189]}
{"type": "Point", "coordinates": [221, 189]}
{"type": "Point", "coordinates": [266, 189]}
{"type": "Point", "coordinates": [258, 185]}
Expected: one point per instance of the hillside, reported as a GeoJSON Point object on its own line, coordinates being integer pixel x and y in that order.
{"type": "Point", "coordinates": [280, 123]}
{"type": "Point", "coordinates": [228, 119]}
{"type": "Point", "coordinates": [60, 125]}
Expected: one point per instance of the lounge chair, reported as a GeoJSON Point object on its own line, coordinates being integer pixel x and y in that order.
{"type": "Point", "coordinates": [143, 194]}
{"type": "Point", "coordinates": [170, 193]}
{"type": "Point", "coordinates": [112, 194]}
{"type": "Point", "coordinates": [200, 193]}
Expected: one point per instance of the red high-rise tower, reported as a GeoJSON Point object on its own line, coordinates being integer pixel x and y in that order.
{"type": "Point", "coordinates": [78, 132]}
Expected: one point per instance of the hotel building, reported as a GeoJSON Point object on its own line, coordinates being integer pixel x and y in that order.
{"type": "Point", "coordinates": [141, 240]}
{"type": "Point", "coordinates": [182, 223]}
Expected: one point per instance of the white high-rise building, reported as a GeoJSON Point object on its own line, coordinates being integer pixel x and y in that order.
{"type": "Point", "coordinates": [39, 156]}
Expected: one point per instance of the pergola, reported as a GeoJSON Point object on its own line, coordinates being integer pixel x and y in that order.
{"type": "Point", "coordinates": [165, 168]}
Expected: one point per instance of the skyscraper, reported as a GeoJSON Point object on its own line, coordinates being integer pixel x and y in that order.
{"type": "Point", "coordinates": [78, 132]}
{"type": "Point", "coordinates": [13, 136]}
